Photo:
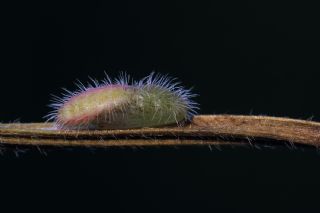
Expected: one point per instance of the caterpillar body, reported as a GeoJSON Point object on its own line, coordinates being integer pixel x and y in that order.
{"type": "Point", "coordinates": [156, 100]}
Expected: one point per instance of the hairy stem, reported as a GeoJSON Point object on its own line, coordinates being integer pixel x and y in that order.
{"type": "Point", "coordinates": [203, 130]}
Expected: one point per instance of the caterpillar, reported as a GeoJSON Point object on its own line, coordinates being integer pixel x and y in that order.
{"type": "Point", "coordinates": [155, 100]}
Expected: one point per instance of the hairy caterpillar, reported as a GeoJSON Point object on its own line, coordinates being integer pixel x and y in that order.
{"type": "Point", "coordinates": [155, 100]}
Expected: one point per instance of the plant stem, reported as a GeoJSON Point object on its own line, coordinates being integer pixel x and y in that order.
{"type": "Point", "coordinates": [202, 130]}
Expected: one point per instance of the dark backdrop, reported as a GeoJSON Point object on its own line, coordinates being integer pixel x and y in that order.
{"type": "Point", "coordinates": [241, 57]}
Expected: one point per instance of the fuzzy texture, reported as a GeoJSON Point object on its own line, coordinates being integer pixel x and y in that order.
{"type": "Point", "coordinates": [156, 100]}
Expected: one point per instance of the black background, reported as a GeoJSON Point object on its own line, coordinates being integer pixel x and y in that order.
{"type": "Point", "coordinates": [241, 57]}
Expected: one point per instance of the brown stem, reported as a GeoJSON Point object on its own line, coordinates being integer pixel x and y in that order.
{"type": "Point", "coordinates": [203, 130]}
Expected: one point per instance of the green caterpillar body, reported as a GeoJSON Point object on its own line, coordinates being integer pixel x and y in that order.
{"type": "Point", "coordinates": [154, 101]}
